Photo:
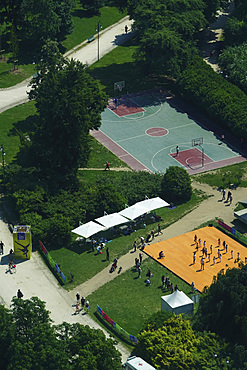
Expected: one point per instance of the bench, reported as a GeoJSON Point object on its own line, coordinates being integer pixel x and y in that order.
{"type": "Point", "coordinates": [91, 38]}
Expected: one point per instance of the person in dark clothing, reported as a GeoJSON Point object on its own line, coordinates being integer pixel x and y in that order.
{"type": "Point", "coordinates": [107, 253]}
{"type": "Point", "coordinates": [82, 302]}
{"type": "Point", "coordinates": [19, 294]}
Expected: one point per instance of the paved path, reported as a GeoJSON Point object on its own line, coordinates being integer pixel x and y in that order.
{"type": "Point", "coordinates": [209, 209]}
{"type": "Point", "coordinates": [210, 49]}
{"type": "Point", "coordinates": [110, 38]}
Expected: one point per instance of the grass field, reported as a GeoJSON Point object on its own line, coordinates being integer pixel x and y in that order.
{"type": "Point", "coordinates": [128, 301]}
{"type": "Point", "coordinates": [84, 26]}
{"type": "Point", "coordinates": [84, 264]}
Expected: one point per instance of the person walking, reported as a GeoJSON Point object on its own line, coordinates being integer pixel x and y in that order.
{"type": "Point", "coordinates": [87, 306]}
{"type": "Point", "coordinates": [228, 195]}
{"type": "Point", "coordinates": [1, 246]}
{"type": "Point", "coordinates": [152, 234]}
{"type": "Point", "coordinates": [159, 229]}
{"type": "Point", "coordinates": [107, 166]}
{"type": "Point", "coordinates": [77, 308]}
{"type": "Point", "coordinates": [77, 297]}
{"type": "Point", "coordinates": [126, 29]}
{"type": "Point", "coordinates": [19, 294]}
{"type": "Point", "coordinates": [223, 194]}
{"type": "Point", "coordinates": [139, 271]}
{"type": "Point", "coordinates": [135, 246]}
{"type": "Point", "coordinates": [107, 254]}
{"type": "Point", "coordinates": [230, 199]}
{"type": "Point", "coordinates": [140, 258]}
{"type": "Point", "coordinates": [82, 302]}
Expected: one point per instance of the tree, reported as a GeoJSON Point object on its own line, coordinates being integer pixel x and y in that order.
{"type": "Point", "coordinates": [222, 307]}
{"type": "Point", "coordinates": [88, 348]}
{"type": "Point", "coordinates": [92, 6]}
{"type": "Point", "coordinates": [176, 185]}
{"type": "Point", "coordinates": [175, 345]}
{"type": "Point", "coordinates": [69, 103]}
{"type": "Point", "coordinates": [166, 30]}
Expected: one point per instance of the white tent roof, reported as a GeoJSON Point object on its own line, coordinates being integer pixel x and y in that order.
{"type": "Point", "coordinates": [177, 299]}
{"type": "Point", "coordinates": [112, 220]}
{"type": "Point", "coordinates": [134, 211]}
{"type": "Point", "coordinates": [153, 203]}
{"type": "Point", "coordinates": [88, 229]}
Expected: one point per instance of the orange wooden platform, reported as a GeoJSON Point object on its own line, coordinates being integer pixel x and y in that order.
{"type": "Point", "coordinates": [178, 253]}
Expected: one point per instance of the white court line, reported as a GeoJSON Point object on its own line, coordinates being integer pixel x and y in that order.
{"type": "Point", "coordinates": [170, 146]}
{"type": "Point", "coordinates": [187, 124]}
{"type": "Point", "coordinates": [145, 134]}
{"type": "Point", "coordinates": [131, 155]}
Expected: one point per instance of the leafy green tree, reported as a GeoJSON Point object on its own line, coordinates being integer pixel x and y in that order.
{"type": "Point", "coordinates": [93, 6]}
{"type": "Point", "coordinates": [166, 31]}
{"type": "Point", "coordinates": [176, 185]}
{"type": "Point", "coordinates": [88, 348]}
{"type": "Point", "coordinates": [222, 307]}
{"type": "Point", "coordinates": [175, 345]}
{"type": "Point", "coordinates": [35, 344]}
{"type": "Point", "coordinates": [6, 335]}
{"type": "Point", "coordinates": [69, 103]}
{"type": "Point", "coordinates": [14, 44]}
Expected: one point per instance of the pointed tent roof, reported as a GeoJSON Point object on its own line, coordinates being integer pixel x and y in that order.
{"type": "Point", "coordinates": [88, 229]}
{"type": "Point", "coordinates": [112, 220]}
{"type": "Point", "coordinates": [153, 203]}
{"type": "Point", "coordinates": [177, 299]}
{"type": "Point", "coordinates": [134, 211]}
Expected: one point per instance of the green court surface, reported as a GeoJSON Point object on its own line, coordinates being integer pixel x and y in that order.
{"type": "Point", "coordinates": [150, 137]}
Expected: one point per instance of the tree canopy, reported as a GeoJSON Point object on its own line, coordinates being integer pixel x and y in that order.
{"type": "Point", "coordinates": [69, 103]}
{"type": "Point", "coordinates": [29, 341]}
{"type": "Point", "coordinates": [175, 345]}
{"type": "Point", "coordinates": [176, 185]}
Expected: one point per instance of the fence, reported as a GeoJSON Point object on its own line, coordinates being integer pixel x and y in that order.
{"type": "Point", "coordinates": [51, 262]}
{"type": "Point", "coordinates": [237, 234]}
{"type": "Point", "coordinates": [118, 328]}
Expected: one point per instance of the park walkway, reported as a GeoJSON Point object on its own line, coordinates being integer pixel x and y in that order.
{"type": "Point", "coordinates": [87, 53]}
{"type": "Point", "coordinates": [207, 210]}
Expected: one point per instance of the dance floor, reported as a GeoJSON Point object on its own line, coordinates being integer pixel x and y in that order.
{"type": "Point", "coordinates": [178, 253]}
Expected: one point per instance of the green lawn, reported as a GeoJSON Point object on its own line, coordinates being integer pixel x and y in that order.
{"type": "Point", "coordinates": [119, 65]}
{"type": "Point", "coordinates": [128, 301]}
{"type": "Point", "coordinates": [9, 76]}
{"type": "Point", "coordinates": [85, 25]}
{"type": "Point", "coordinates": [100, 155]}
{"type": "Point", "coordinates": [84, 264]}
{"type": "Point", "coordinates": [12, 121]}
{"type": "Point", "coordinates": [234, 174]}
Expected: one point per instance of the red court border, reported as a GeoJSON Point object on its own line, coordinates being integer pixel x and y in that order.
{"type": "Point", "coordinates": [119, 151]}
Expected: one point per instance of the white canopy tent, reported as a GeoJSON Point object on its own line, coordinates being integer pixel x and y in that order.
{"type": "Point", "coordinates": [177, 302]}
{"type": "Point", "coordinates": [88, 229]}
{"type": "Point", "coordinates": [112, 220]}
{"type": "Point", "coordinates": [153, 203]}
{"type": "Point", "coordinates": [133, 212]}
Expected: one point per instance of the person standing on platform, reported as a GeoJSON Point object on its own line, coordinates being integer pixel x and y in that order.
{"type": "Point", "coordinates": [231, 253]}
{"type": "Point", "coordinates": [208, 257]}
{"type": "Point", "coordinates": [214, 260]}
{"type": "Point", "coordinates": [195, 239]}
{"type": "Point", "coordinates": [219, 242]}
{"type": "Point", "coordinates": [211, 249]}
{"type": "Point", "coordinates": [194, 257]}
{"type": "Point", "coordinates": [202, 263]}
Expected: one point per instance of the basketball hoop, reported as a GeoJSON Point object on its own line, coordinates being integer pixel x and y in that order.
{"type": "Point", "coordinates": [118, 86]}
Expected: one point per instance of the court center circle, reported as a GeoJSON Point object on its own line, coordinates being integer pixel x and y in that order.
{"type": "Point", "coordinates": [156, 131]}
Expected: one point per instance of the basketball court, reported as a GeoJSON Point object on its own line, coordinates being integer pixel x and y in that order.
{"type": "Point", "coordinates": [178, 253]}
{"type": "Point", "coordinates": [144, 130]}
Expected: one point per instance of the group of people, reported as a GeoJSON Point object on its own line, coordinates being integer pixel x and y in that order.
{"type": "Point", "coordinates": [167, 284]}
{"type": "Point", "coordinates": [229, 196]}
{"type": "Point", "coordinates": [207, 255]}
{"type": "Point", "coordinates": [81, 302]}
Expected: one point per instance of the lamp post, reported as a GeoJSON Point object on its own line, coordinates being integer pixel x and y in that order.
{"type": "Point", "coordinates": [3, 154]}
{"type": "Point", "coordinates": [97, 28]}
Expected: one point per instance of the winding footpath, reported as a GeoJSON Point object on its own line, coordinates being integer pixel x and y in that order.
{"type": "Point", "coordinates": [87, 53]}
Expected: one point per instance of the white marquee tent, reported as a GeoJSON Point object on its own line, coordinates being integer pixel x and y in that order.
{"type": "Point", "coordinates": [134, 211]}
{"type": "Point", "coordinates": [112, 220]}
{"type": "Point", "coordinates": [88, 229]}
{"type": "Point", "coordinates": [177, 302]}
{"type": "Point", "coordinates": [153, 203]}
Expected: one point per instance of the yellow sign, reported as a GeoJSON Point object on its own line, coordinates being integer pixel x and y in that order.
{"type": "Point", "coordinates": [22, 241]}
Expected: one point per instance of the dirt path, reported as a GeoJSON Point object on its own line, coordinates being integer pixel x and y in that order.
{"type": "Point", "coordinates": [210, 49]}
{"type": "Point", "coordinates": [209, 209]}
